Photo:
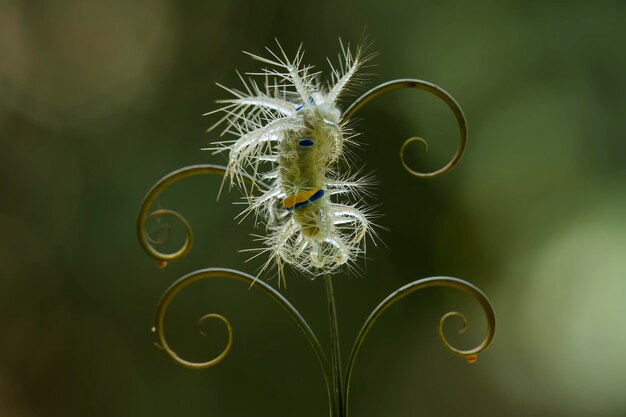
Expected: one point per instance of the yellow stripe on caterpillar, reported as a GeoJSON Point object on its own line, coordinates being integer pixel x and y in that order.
{"type": "Point", "coordinates": [292, 200]}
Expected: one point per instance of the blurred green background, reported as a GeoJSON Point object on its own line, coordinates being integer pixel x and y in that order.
{"type": "Point", "coordinates": [98, 100]}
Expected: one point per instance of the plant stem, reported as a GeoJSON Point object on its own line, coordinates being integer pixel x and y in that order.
{"type": "Point", "coordinates": [338, 388]}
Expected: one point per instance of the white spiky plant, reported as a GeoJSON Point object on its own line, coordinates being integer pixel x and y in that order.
{"type": "Point", "coordinates": [289, 132]}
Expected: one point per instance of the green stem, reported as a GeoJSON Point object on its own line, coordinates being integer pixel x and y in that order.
{"type": "Point", "coordinates": [337, 379]}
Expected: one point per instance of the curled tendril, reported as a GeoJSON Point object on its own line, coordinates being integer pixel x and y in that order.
{"type": "Point", "coordinates": [469, 354]}
{"type": "Point", "coordinates": [430, 88]}
{"type": "Point", "coordinates": [210, 273]}
{"type": "Point", "coordinates": [165, 229]}
{"type": "Point", "coordinates": [403, 148]}
{"type": "Point", "coordinates": [162, 344]}
{"type": "Point", "coordinates": [156, 190]}
{"type": "Point", "coordinates": [188, 235]}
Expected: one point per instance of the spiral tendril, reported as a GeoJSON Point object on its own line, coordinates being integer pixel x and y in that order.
{"type": "Point", "coordinates": [186, 247]}
{"type": "Point", "coordinates": [162, 344]}
{"type": "Point", "coordinates": [394, 297]}
{"type": "Point", "coordinates": [210, 273]}
{"type": "Point", "coordinates": [430, 88]}
{"type": "Point", "coordinates": [144, 215]}
{"type": "Point", "coordinates": [165, 229]}
{"type": "Point", "coordinates": [403, 148]}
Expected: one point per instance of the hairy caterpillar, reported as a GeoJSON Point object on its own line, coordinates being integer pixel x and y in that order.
{"type": "Point", "coordinates": [290, 133]}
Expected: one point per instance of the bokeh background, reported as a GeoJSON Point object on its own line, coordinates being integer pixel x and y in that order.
{"type": "Point", "coordinates": [98, 100]}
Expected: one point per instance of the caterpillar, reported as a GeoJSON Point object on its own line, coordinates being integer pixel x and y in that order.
{"type": "Point", "coordinates": [289, 132]}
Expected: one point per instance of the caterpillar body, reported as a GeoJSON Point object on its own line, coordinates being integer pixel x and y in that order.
{"type": "Point", "coordinates": [290, 133]}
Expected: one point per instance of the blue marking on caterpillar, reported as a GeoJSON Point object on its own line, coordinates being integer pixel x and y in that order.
{"type": "Point", "coordinates": [306, 143]}
{"type": "Point", "coordinates": [303, 204]}
{"type": "Point", "coordinates": [318, 194]}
